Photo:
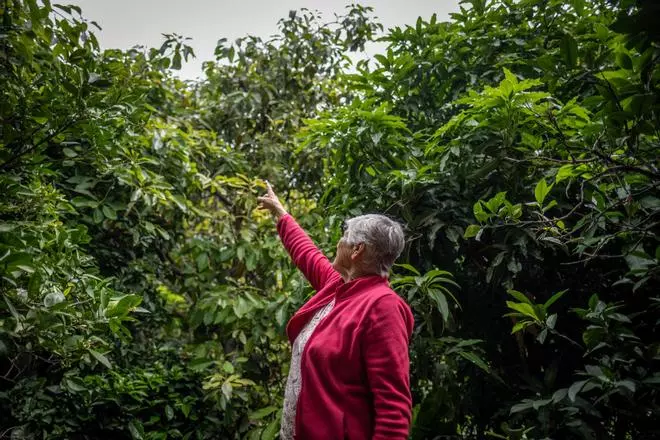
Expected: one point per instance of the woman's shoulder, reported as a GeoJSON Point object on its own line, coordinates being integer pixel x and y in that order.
{"type": "Point", "coordinates": [387, 310]}
{"type": "Point", "coordinates": [387, 297]}
{"type": "Point", "coordinates": [383, 299]}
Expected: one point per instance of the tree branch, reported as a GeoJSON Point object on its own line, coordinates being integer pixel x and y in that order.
{"type": "Point", "coordinates": [7, 164]}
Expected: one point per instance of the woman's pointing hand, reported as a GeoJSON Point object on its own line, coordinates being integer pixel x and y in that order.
{"type": "Point", "coordinates": [271, 202]}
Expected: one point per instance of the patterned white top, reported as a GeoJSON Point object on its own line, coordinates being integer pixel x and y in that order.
{"type": "Point", "coordinates": [294, 381]}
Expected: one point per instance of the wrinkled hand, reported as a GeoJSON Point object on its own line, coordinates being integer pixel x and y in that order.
{"type": "Point", "coordinates": [271, 202]}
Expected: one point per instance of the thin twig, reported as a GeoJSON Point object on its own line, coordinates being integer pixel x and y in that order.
{"type": "Point", "coordinates": [4, 433]}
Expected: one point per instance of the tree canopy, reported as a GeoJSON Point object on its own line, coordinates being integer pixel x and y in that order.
{"type": "Point", "coordinates": [144, 296]}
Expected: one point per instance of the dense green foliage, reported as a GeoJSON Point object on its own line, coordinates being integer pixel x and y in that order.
{"type": "Point", "coordinates": [144, 296]}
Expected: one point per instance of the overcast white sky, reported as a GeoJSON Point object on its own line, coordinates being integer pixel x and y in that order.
{"type": "Point", "coordinates": [126, 23]}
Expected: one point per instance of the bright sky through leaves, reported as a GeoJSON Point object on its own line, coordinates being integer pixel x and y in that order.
{"type": "Point", "coordinates": [126, 23]}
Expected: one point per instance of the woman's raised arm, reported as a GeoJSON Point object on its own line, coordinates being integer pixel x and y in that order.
{"type": "Point", "coordinates": [305, 254]}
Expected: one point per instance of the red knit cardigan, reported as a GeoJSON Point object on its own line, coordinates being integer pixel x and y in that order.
{"type": "Point", "coordinates": [355, 366]}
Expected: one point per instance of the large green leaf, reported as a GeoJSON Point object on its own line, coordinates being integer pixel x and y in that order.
{"type": "Point", "coordinates": [523, 308]}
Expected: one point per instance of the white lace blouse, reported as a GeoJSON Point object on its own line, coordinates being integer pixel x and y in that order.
{"type": "Point", "coordinates": [293, 382]}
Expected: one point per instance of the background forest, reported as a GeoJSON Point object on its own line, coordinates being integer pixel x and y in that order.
{"type": "Point", "coordinates": [144, 296]}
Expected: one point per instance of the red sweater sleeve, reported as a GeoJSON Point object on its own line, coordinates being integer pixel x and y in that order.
{"type": "Point", "coordinates": [306, 256]}
{"type": "Point", "coordinates": [388, 366]}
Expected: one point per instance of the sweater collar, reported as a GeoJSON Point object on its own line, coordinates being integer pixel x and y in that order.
{"type": "Point", "coordinates": [345, 290]}
{"type": "Point", "coordinates": [359, 284]}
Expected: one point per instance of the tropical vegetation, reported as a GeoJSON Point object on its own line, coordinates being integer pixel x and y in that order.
{"type": "Point", "coordinates": [144, 296]}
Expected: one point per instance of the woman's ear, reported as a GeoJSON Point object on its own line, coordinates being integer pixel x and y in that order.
{"type": "Point", "coordinates": [358, 249]}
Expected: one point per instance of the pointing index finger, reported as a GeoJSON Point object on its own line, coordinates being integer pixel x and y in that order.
{"type": "Point", "coordinates": [270, 188]}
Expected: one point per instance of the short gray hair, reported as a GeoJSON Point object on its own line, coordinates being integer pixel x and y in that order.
{"type": "Point", "coordinates": [383, 237]}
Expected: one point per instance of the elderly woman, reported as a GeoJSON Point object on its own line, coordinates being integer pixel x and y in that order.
{"type": "Point", "coordinates": [349, 374]}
